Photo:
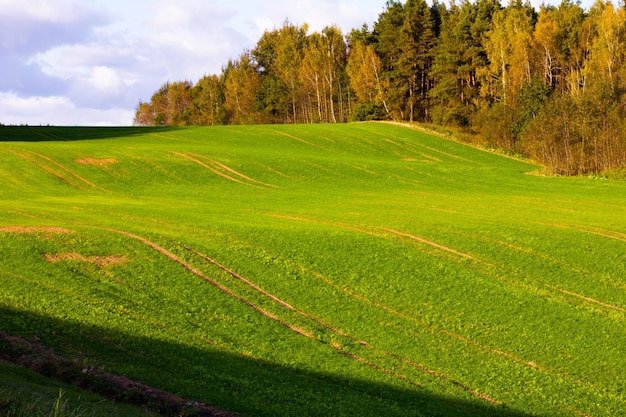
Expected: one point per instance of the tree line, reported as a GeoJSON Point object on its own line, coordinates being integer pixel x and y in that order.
{"type": "Point", "coordinates": [547, 84]}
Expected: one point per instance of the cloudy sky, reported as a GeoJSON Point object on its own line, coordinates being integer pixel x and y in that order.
{"type": "Point", "coordinates": [76, 62]}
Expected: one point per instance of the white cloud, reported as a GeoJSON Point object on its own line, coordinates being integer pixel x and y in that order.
{"type": "Point", "coordinates": [58, 110]}
{"type": "Point", "coordinates": [56, 61]}
{"type": "Point", "coordinates": [101, 88]}
{"type": "Point", "coordinates": [11, 104]}
{"type": "Point", "coordinates": [190, 38]}
{"type": "Point", "coordinates": [35, 25]}
{"type": "Point", "coordinates": [97, 59]}
{"type": "Point", "coordinates": [319, 14]}
{"type": "Point", "coordinates": [59, 11]}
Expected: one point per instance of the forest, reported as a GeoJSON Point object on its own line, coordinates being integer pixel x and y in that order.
{"type": "Point", "coordinates": [548, 85]}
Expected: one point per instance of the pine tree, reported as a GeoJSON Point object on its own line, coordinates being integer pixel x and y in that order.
{"type": "Point", "coordinates": [416, 56]}
{"type": "Point", "coordinates": [459, 59]}
{"type": "Point", "coordinates": [389, 46]}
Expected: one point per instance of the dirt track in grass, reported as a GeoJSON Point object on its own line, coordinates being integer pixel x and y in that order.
{"type": "Point", "coordinates": [224, 171]}
{"type": "Point", "coordinates": [376, 352]}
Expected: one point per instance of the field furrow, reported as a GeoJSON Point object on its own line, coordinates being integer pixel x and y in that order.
{"type": "Point", "coordinates": [332, 330]}
{"type": "Point", "coordinates": [349, 270]}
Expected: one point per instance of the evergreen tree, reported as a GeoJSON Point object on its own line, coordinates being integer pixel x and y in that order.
{"type": "Point", "coordinates": [389, 48]}
{"type": "Point", "coordinates": [459, 59]}
{"type": "Point", "coordinates": [415, 60]}
{"type": "Point", "coordinates": [551, 85]}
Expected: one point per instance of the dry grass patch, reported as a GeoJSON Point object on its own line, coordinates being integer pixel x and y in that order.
{"type": "Point", "coordinates": [103, 162]}
{"type": "Point", "coordinates": [99, 261]}
{"type": "Point", "coordinates": [34, 229]}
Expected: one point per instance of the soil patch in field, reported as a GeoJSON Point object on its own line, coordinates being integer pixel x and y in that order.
{"type": "Point", "coordinates": [34, 229]}
{"type": "Point", "coordinates": [103, 162]}
{"type": "Point", "coordinates": [99, 261]}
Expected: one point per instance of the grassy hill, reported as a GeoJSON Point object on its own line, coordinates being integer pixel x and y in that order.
{"type": "Point", "coordinates": [360, 269]}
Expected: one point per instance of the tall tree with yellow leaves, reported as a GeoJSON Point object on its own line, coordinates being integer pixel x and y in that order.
{"type": "Point", "coordinates": [241, 84]}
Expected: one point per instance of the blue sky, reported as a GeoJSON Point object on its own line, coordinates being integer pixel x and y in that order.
{"type": "Point", "coordinates": [76, 62]}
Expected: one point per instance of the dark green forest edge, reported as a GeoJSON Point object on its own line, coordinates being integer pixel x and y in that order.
{"type": "Point", "coordinates": [547, 84]}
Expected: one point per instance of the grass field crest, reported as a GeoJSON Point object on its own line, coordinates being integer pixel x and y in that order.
{"type": "Point", "coordinates": [361, 269]}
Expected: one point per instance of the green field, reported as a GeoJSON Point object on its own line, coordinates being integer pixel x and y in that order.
{"type": "Point", "coordinates": [318, 270]}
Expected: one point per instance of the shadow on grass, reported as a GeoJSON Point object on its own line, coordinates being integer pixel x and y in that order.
{"type": "Point", "coordinates": [66, 134]}
{"type": "Point", "coordinates": [233, 382]}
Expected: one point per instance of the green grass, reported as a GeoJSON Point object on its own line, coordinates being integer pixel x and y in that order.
{"type": "Point", "coordinates": [24, 393]}
{"type": "Point", "coordinates": [360, 269]}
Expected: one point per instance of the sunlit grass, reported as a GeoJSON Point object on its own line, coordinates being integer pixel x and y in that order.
{"type": "Point", "coordinates": [331, 270]}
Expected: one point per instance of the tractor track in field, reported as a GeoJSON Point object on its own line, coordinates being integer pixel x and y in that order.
{"type": "Point", "coordinates": [565, 264]}
{"type": "Point", "coordinates": [596, 231]}
{"type": "Point", "coordinates": [345, 335]}
{"type": "Point", "coordinates": [538, 284]}
{"type": "Point", "coordinates": [610, 234]}
{"type": "Point", "coordinates": [344, 350]}
{"type": "Point", "coordinates": [298, 330]}
{"type": "Point", "coordinates": [62, 175]}
{"type": "Point", "coordinates": [422, 146]}
{"type": "Point", "coordinates": [216, 284]}
{"type": "Point", "coordinates": [589, 299]}
{"type": "Point", "coordinates": [429, 326]}
{"type": "Point", "coordinates": [334, 345]}
{"type": "Point", "coordinates": [432, 327]}
{"type": "Point", "coordinates": [298, 139]}
{"type": "Point", "coordinates": [213, 170]}
{"type": "Point", "coordinates": [227, 168]}
{"type": "Point", "coordinates": [529, 251]}
{"type": "Point", "coordinates": [224, 171]}
{"type": "Point", "coordinates": [437, 329]}
{"type": "Point", "coordinates": [288, 306]}
{"type": "Point", "coordinates": [390, 231]}
{"type": "Point", "coordinates": [435, 245]}
{"type": "Point", "coordinates": [262, 291]}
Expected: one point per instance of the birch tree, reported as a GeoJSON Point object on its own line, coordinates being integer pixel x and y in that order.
{"type": "Point", "coordinates": [364, 68]}
{"type": "Point", "coordinates": [242, 82]}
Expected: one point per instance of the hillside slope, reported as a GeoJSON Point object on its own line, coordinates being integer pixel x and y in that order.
{"type": "Point", "coordinates": [360, 269]}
